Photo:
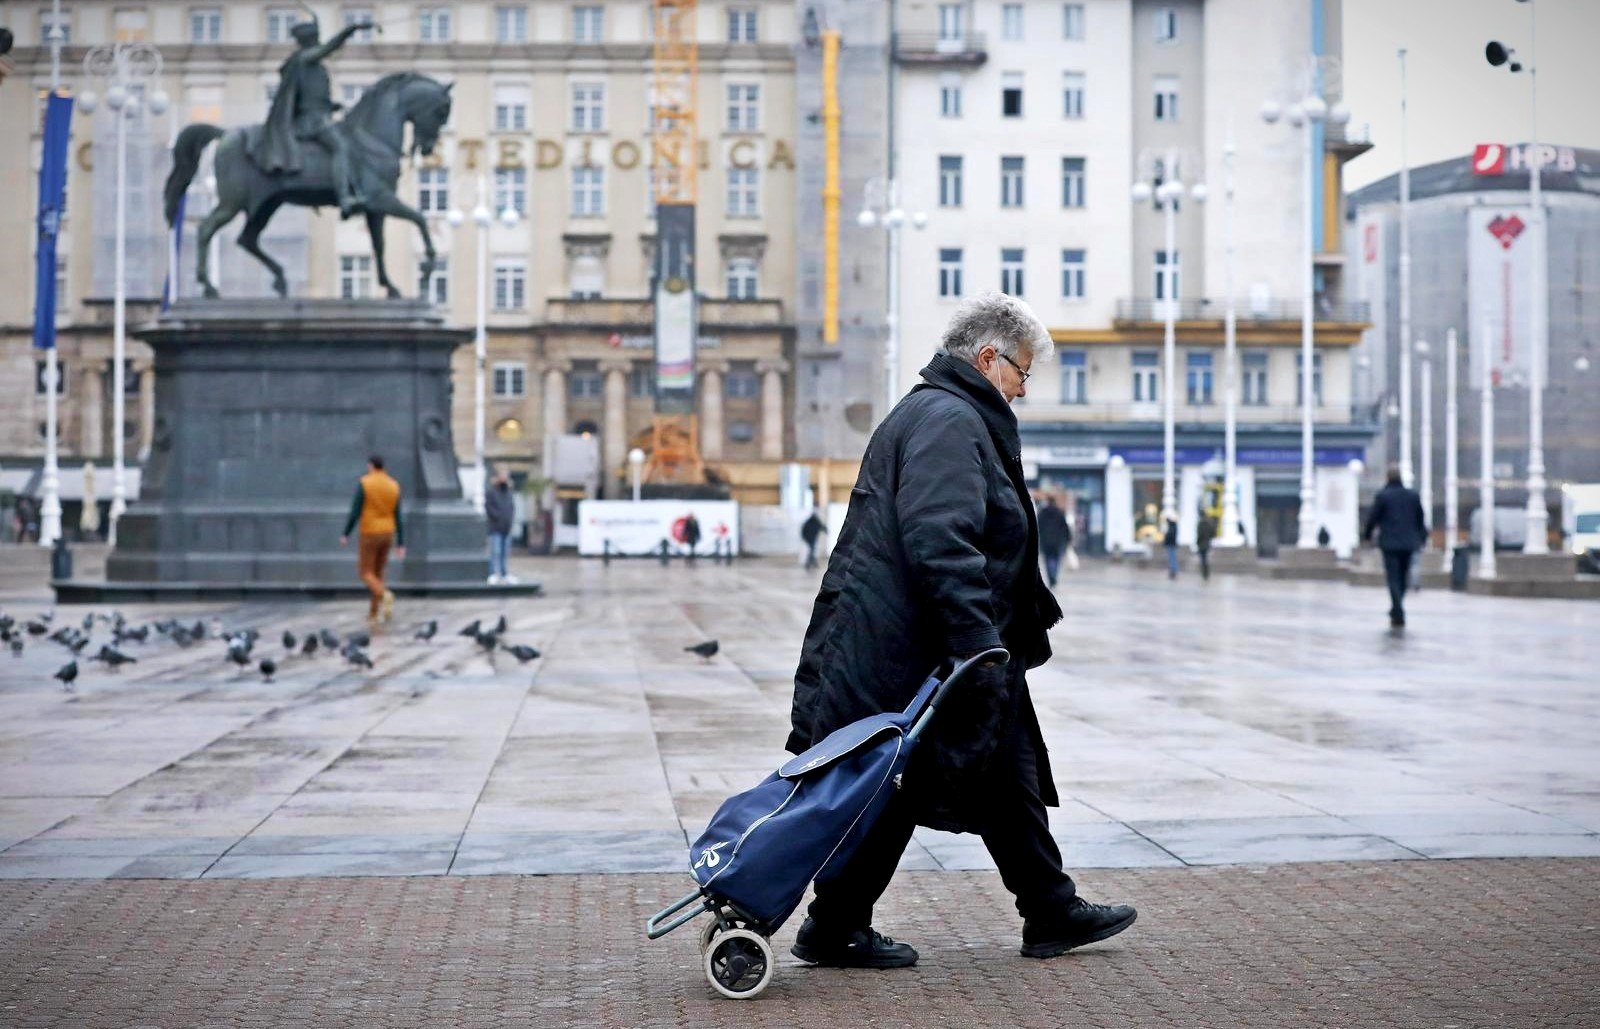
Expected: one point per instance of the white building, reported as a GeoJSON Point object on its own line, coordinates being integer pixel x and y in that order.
{"type": "Point", "coordinates": [1020, 127]}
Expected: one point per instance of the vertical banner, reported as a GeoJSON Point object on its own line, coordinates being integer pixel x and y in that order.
{"type": "Point", "coordinates": [52, 198]}
{"type": "Point", "coordinates": [675, 316]}
{"type": "Point", "coordinates": [1372, 278]}
{"type": "Point", "coordinates": [1500, 283]}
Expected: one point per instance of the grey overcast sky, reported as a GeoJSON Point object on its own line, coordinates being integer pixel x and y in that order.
{"type": "Point", "coordinates": [1454, 98]}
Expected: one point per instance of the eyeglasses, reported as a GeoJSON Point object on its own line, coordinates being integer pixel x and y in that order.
{"type": "Point", "coordinates": [1018, 367]}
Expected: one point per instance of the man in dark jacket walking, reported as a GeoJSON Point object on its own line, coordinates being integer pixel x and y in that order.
{"type": "Point", "coordinates": [1402, 529]}
{"type": "Point", "coordinates": [499, 510]}
{"type": "Point", "coordinates": [938, 558]}
{"type": "Point", "coordinates": [1054, 538]}
{"type": "Point", "coordinates": [810, 532]}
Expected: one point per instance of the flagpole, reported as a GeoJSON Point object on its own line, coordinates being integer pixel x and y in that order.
{"type": "Point", "coordinates": [50, 507]}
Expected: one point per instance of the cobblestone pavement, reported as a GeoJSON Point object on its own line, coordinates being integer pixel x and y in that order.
{"type": "Point", "coordinates": [1405, 943]}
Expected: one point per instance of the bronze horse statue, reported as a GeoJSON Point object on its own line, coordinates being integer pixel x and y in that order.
{"type": "Point", "coordinates": [375, 131]}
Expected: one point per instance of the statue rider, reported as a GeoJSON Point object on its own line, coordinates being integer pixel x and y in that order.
{"type": "Point", "coordinates": [303, 109]}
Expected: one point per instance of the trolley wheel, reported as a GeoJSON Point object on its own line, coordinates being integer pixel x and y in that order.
{"type": "Point", "coordinates": [707, 932]}
{"type": "Point", "coordinates": [739, 964]}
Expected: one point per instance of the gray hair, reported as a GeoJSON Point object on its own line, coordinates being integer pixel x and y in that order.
{"type": "Point", "coordinates": [998, 320]}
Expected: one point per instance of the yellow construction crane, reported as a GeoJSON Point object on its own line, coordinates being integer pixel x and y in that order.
{"type": "Point", "coordinates": [674, 452]}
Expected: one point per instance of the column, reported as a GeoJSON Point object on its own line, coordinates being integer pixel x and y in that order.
{"type": "Point", "coordinates": [555, 412]}
{"type": "Point", "coordinates": [772, 409]}
{"type": "Point", "coordinates": [147, 409]}
{"type": "Point", "coordinates": [91, 407]}
{"type": "Point", "coordinates": [711, 427]}
{"type": "Point", "coordinates": [614, 435]}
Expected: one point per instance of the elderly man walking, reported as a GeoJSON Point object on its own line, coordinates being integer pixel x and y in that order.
{"type": "Point", "coordinates": [938, 558]}
{"type": "Point", "coordinates": [1402, 527]}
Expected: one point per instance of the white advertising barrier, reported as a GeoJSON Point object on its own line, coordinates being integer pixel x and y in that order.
{"type": "Point", "coordinates": [638, 528]}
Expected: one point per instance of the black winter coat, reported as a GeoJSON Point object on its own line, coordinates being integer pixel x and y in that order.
{"type": "Point", "coordinates": [1398, 518]}
{"type": "Point", "coordinates": [499, 508]}
{"type": "Point", "coordinates": [938, 557]}
{"type": "Point", "coordinates": [1054, 535]}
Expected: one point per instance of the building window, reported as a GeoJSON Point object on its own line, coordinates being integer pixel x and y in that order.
{"type": "Point", "coordinates": [741, 278]}
{"type": "Point", "coordinates": [1146, 376]}
{"type": "Point", "coordinates": [588, 23]}
{"type": "Point", "coordinates": [744, 192]}
{"type": "Point", "coordinates": [1011, 94]}
{"type": "Point", "coordinates": [433, 190]}
{"type": "Point", "coordinates": [1074, 377]}
{"type": "Point", "coordinates": [510, 279]}
{"type": "Point", "coordinates": [1166, 21]}
{"type": "Point", "coordinates": [642, 380]}
{"type": "Point", "coordinates": [741, 383]}
{"type": "Point", "coordinates": [1074, 263]}
{"type": "Point", "coordinates": [741, 430]}
{"type": "Point", "coordinates": [510, 108]}
{"type": "Point", "coordinates": [588, 107]}
{"type": "Point", "coordinates": [433, 24]}
{"type": "Point", "coordinates": [41, 369]}
{"type": "Point", "coordinates": [131, 25]}
{"type": "Point", "coordinates": [355, 276]}
{"type": "Point", "coordinates": [588, 191]}
{"type": "Point", "coordinates": [1011, 22]}
{"type": "Point", "coordinates": [742, 25]}
{"type": "Point", "coordinates": [438, 291]}
{"type": "Point", "coordinates": [950, 271]}
{"type": "Point", "coordinates": [1300, 382]}
{"type": "Point", "coordinates": [1011, 271]}
{"type": "Point", "coordinates": [510, 380]}
{"type": "Point", "coordinates": [1072, 87]}
{"type": "Point", "coordinates": [1166, 94]}
{"type": "Point", "coordinates": [49, 24]}
{"type": "Point", "coordinates": [949, 180]}
{"type": "Point", "coordinates": [744, 107]}
{"type": "Point", "coordinates": [950, 19]}
{"type": "Point", "coordinates": [1072, 181]}
{"type": "Point", "coordinates": [950, 96]}
{"type": "Point", "coordinates": [279, 21]}
{"type": "Point", "coordinates": [1197, 365]}
{"type": "Point", "coordinates": [205, 25]}
{"type": "Point", "coordinates": [1010, 182]}
{"type": "Point", "coordinates": [585, 382]}
{"type": "Point", "coordinates": [1166, 277]}
{"type": "Point", "coordinates": [510, 190]}
{"type": "Point", "coordinates": [511, 23]}
{"type": "Point", "coordinates": [1072, 21]}
{"type": "Point", "coordinates": [357, 16]}
{"type": "Point", "coordinates": [586, 279]}
{"type": "Point", "coordinates": [1253, 378]}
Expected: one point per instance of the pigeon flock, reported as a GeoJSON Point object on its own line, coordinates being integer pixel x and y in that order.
{"type": "Point", "coordinates": [240, 645]}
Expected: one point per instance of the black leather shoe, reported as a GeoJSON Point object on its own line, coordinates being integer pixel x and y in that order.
{"type": "Point", "coordinates": [1082, 923]}
{"type": "Point", "coordinates": [859, 948]}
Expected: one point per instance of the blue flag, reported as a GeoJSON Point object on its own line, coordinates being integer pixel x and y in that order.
{"type": "Point", "coordinates": [169, 288]}
{"type": "Point", "coordinates": [52, 198]}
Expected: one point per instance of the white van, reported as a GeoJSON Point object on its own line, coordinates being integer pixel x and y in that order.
{"type": "Point", "coordinates": [1580, 523]}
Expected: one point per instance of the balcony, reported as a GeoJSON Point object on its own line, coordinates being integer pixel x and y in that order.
{"type": "Point", "coordinates": [1142, 310]}
{"type": "Point", "coordinates": [938, 50]}
{"type": "Point", "coordinates": [1346, 140]}
{"type": "Point", "coordinates": [619, 313]}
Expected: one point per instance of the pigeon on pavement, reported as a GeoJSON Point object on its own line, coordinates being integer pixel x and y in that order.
{"type": "Point", "coordinates": [359, 638]}
{"type": "Point", "coordinates": [426, 632]}
{"type": "Point", "coordinates": [358, 658]}
{"type": "Point", "coordinates": [706, 650]}
{"type": "Point", "coordinates": [473, 629]}
{"type": "Point", "coordinates": [328, 639]}
{"type": "Point", "coordinates": [522, 653]}
{"type": "Point", "coordinates": [288, 640]}
{"type": "Point", "coordinates": [500, 626]}
{"type": "Point", "coordinates": [268, 667]}
{"type": "Point", "coordinates": [16, 646]}
{"type": "Point", "coordinates": [113, 657]}
{"type": "Point", "coordinates": [309, 647]}
{"type": "Point", "coordinates": [66, 673]}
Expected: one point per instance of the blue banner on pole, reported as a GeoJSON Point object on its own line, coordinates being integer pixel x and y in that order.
{"type": "Point", "coordinates": [52, 198]}
{"type": "Point", "coordinates": [169, 288]}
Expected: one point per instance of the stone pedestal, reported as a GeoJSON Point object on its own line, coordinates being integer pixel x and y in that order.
{"type": "Point", "coordinates": [1316, 563]}
{"type": "Point", "coordinates": [1235, 560]}
{"type": "Point", "coordinates": [266, 411]}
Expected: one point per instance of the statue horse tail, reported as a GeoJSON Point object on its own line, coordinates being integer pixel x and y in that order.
{"type": "Point", "coordinates": [185, 161]}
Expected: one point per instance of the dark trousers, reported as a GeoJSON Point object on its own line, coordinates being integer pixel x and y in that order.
{"type": "Point", "coordinates": [1397, 573]}
{"type": "Point", "coordinates": [1052, 565]}
{"type": "Point", "coordinates": [1018, 838]}
{"type": "Point", "coordinates": [811, 554]}
{"type": "Point", "coordinates": [1205, 562]}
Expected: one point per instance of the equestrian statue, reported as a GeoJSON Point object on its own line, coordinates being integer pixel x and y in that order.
{"type": "Point", "coordinates": [352, 163]}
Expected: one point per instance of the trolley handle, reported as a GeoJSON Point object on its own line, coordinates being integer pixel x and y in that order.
{"type": "Point", "coordinates": [654, 927]}
{"type": "Point", "coordinates": [958, 673]}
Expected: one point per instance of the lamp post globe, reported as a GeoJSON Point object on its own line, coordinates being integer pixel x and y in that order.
{"type": "Point", "coordinates": [1271, 111]}
{"type": "Point", "coordinates": [866, 219]}
{"type": "Point", "coordinates": [1315, 107]}
{"type": "Point", "coordinates": [1141, 192]}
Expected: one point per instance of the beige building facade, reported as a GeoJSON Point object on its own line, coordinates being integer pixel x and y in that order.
{"type": "Point", "coordinates": [551, 119]}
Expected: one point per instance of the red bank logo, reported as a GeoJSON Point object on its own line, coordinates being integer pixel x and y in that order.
{"type": "Point", "coordinates": [1488, 159]}
{"type": "Point", "coordinates": [1506, 229]}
